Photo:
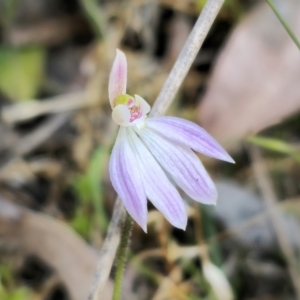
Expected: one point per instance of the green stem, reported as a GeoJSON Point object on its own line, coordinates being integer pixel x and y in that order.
{"type": "Point", "coordinates": [94, 14]}
{"type": "Point", "coordinates": [122, 256]}
{"type": "Point", "coordinates": [284, 24]}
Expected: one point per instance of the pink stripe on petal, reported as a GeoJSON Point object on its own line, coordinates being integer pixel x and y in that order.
{"type": "Point", "coordinates": [182, 164]}
{"type": "Point", "coordinates": [189, 134]}
{"type": "Point", "coordinates": [158, 188]}
{"type": "Point", "coordinates": [126, 179]}
{"type": "Point", "coordinates": [118, 77]}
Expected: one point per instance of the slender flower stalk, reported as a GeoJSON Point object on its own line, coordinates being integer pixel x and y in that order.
{"type": "Point", "coordinates": [122, 256]}
{"type": "Point", "coordinates": [150, 151]}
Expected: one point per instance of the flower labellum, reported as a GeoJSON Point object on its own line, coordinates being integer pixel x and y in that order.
{"type": "Point", "coordinates": [149, 151]}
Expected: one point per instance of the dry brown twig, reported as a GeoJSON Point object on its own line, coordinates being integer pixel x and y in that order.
{"type": "Point", "coordinates": [164, 100]}
{"type": "Point", "coordinates": [265, 185]}
{"type": "Point", "coordinates": [32, 140]}
{"type": "Point", "coordinates": [28, 110]}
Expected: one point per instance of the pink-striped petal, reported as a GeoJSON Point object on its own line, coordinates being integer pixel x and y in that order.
{"type": "Point", "coordinates": [118, 77]}
{"type": "Point", "coordinates": [183, 165]}
{"type": "Point", "coordinates": [158, 188]}
{"type": "Point", "coordinates": [126, 179]}
{"type": "Point", "coordinates": [189, 134]}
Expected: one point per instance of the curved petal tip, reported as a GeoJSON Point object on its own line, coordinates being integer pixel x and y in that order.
{"type": "Point", "coordinates": [189, 134]}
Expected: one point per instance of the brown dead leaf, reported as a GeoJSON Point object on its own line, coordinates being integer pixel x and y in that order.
{"type": "Point", "coordinates": [255, 83]}
{"type": "Point", "coordinates": [53, 242]}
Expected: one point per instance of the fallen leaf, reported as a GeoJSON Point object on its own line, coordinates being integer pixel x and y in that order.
{"type": "Point", "coordinates": [54, 243]}
{"type": "Point", "coordinates": [255, 82]}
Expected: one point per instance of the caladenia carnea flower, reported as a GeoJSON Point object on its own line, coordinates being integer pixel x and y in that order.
{"type": "Point", "coordinates": [150, 152]}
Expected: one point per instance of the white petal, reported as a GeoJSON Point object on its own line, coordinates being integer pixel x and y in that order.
{"type": "Point", "coordinates": [121, 115]}
{"type": "Point", "coordinates": [118, 77]}
{"type": "Point", "coordinates": [126, 179]}
{"type": "Point", "coordinates": [158, 188]}
{"type": "Point", "coordinates": [183, 165]}
{"type": "Point", "coordinates": [143, 103]}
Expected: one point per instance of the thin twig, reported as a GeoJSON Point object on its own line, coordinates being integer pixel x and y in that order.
{"type": "Point", "coordinates": [108, 251]}
{"type": "Point", "coordinates": [186, 57]}
{"type": "Point", "coordinates": [165, 98]}
{"type": "Point", "coordinates": [33, 140]}
{"type": "Point", "coordinates": [284, 23]}
{"type": "Point", "coordinates": [27, 110]}
{"type": "Point", "coordinates": [38, 136]}
{"type": "Point", "coordinates": [269, 195]}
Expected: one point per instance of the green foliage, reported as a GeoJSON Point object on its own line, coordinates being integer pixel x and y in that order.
{"type": "Point", "coordinates": [200, 4]}
{"type": "Point", "coordinates": [82, 223]}
{"type": "Point", "coordinates": [275, 145]}
{"type": "Point", "coordinates": [143, 269]}
{"type": "Point", "coordinates": [210, 231]}
{"type": "Point", "coordinates": [195, 272]}
{"type": "Point", "coordinates": [7, 11]}
{"type": "Point", "coordinates": [93, 13]}
{"type": "Point", "coordinates": [21, 72]}
{"type": "Point", "coordinates": [89, 189]}
{"type": "Point", "coordinates": [18, 294]}
{"type": "Point", "coordinates": [8, 291]}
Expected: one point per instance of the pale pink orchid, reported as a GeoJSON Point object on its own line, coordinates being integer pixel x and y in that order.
{"type": "Point", "coordinates": [149, 151]}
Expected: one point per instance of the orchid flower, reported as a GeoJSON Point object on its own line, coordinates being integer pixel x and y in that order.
{"type": "Point", "coordinates": [150, 152]}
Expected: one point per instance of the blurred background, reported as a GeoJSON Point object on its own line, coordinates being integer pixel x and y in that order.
{"type": "Point", "coordinates": [56, 133]}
